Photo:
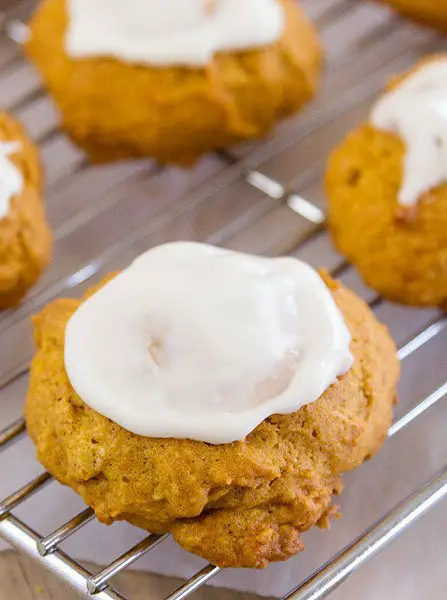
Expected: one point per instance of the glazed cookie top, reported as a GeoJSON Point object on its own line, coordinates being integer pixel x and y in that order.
{"type": "Point", "coordinates": [20, 168]}
{"type": "Point", "coordinates": [416, 110]}
{"type": "Point", "coordinates": [11, 178]}
{"type": "Point", "coordinates": [169, 32]}
{"type": "Point", "coordinates": [193, 341]}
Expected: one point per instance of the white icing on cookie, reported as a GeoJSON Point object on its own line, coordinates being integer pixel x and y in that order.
{"type": "Point", "coordinates": [417, 111]}
{"type": "Point", "coordinates": [11, 178]}
{"type": "Point", "coordinates": [192, 341]}
{"type": "Point", "coordinates": [170, 32]}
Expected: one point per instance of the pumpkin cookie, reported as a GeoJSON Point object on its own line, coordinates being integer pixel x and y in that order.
{"type": "Point", "coordinates": [242, 503]}
{"type": "Point", "coordinates": [428, 12]}
{"type": "Point", "coordinates": [25, 239]}
{"type": "Point", "coordinates": [124, 93]}
{"type": "Point", "coordinates": [387, 190]}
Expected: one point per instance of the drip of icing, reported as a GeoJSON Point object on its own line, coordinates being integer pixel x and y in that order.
{"type": "Point", "coordinates": [193, 341]}
{"type": "Point", "coordinates": [11, 179]}
{"type": "Point", "coordinates": [170, 32]}
{"type": "Point", "coordinates": [417, 111]}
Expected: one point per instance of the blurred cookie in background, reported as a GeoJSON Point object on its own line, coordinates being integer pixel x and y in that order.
{"type": "Point", "coordinates": [173, 83]}
{"type": "Point", "coordinates": [428, 12]}
{"type": "Point", "coordinates": [25, 238]}
{"type": "Point", "coordinates": [387, 190]}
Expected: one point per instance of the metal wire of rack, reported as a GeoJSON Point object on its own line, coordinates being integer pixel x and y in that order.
{"type": "Point", "coordinates": [383, 44]}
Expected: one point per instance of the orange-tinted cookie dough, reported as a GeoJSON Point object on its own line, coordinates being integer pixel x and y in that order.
{"type": "Point", "coordinates": [401, 252]}
{"type": "Point", "coordinates": [25, 238]}
{"type": "Point", "coordinates": [243, 504]}
{"type": "Point", "coordinates": [428, 12]}
{"type": "Point", "coordinates": [116, 110]}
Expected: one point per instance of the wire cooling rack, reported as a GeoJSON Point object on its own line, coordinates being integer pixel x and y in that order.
{"type": "Point", "coordinates": [261, 197]}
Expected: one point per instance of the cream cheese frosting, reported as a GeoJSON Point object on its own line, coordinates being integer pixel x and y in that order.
{"type": "Point", "coordinates": [170, 32]}
{"type": "Point", "coordinates": [193, 341]}
{"type": "Point", "coordinates": [416, 110]}
{"type": "Point", "coordinates": [11, 178]}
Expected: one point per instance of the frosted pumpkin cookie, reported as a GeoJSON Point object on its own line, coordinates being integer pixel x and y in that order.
{"type": "Point", "coordinates": [387, 190]}
{"type": "Point", "coordinates": [429, 12]}
{"type": "Point", "coordinates": [173, 80]}
{"type": "Point", "coordinates": [25, 239]}
{"type": "Point", "coordinates": [213, 395]}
